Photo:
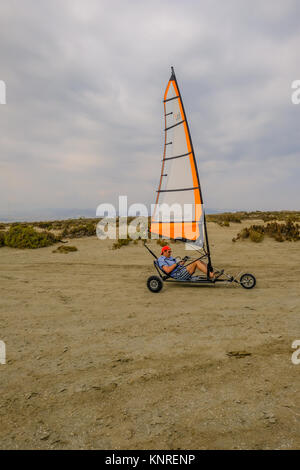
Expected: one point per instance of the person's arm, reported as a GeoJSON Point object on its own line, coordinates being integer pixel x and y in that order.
{"type": "Point", "coordinates": [169, 269]}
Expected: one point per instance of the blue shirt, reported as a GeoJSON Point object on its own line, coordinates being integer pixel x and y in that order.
{"type": "Point", "coordinates": [164, 261]}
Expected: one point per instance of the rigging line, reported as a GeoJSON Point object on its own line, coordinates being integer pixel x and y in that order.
{"type": "Point", "coordinates": [168, 114]}
{"type": "Point", "coordinates": [169, 143]}
{"type": "Point", "coordinates": [175, 190]}
{"type": "Point", "coordinates": [174, 125]}
{"type": "Point", "coordinates": [177, 156]}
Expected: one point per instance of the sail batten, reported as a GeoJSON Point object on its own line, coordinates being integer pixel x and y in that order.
{"type": "Point", "coordinates": [178, 189]}
{"type": "Point", "coordinates": [174, 125]}
{"type": "Point", "coordinates": [170, 99]}
{"type": "Point", "coordinates": [178, 210]}
{"type": "Point", "coordinates": [178, 156]}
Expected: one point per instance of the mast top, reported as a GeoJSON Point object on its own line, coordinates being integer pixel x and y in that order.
{"type": "Point", "coordinates": [173, 74]}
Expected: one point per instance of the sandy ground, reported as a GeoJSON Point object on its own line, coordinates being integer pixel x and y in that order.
{"type": "Point", "coordinates": [95, 360]}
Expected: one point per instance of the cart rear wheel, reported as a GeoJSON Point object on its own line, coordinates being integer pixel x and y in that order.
{"type": "Point", "coordinates": [154, 283]}
{"type": "Point", "coordinates": [247, 281]}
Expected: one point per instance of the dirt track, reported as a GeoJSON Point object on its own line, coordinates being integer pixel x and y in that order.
{"type": "Point", "coordinates": [94, 360]}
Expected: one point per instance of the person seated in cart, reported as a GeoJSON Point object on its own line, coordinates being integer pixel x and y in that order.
{"type": "Point", "coordinates": [169, 265]}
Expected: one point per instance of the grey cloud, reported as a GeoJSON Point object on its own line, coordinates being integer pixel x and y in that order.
{"type": "Point", "coordinates": [85, 82]}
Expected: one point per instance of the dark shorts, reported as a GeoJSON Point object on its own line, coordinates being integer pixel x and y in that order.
{"type": "Point", "coordinates": [181, 274]}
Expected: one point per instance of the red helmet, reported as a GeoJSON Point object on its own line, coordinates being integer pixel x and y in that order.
{"type": "Point", "coordinates": [165, 248]}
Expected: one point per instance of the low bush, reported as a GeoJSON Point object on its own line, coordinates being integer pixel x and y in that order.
{"type": "Point", "coordinates": [256, 236]}
{"type": "Point", "coordinates": [79, 231]}
{"type": "Point", "coordinates": [224, 219]}
{"type": "Point", "coordinates": [65, 249]}
{"type": "Point", "coordinates": [121, 242]}
{"type": "Point", "coordinates": [2, 238]}
{"type": "Point", "coordinates": [161, 242]}
{"type": "Point", "coordinates": [288, 231]}
{"type": "Point", "coordinates": [266, 216]}
{"type": "Point", "coordinates": [19, 236]}
{"type": "Point", "coordinates": [44, 225]}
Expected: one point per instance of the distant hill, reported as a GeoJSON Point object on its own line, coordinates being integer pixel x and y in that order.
{"type": "Point", "coordinates": [63, 214]}
{"type": "Point", "coordinates": [46, 214]}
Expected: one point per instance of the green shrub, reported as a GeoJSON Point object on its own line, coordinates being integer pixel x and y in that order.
{"type": "Point", "coordinates": [161, 242]}
{"type": "Point", "coordinates": [224, 219]}
{"type": "Point", "coordinates": [244, 233]}
{"type": "Point", "coordinates": [256, 236]}
{"type": "Point", "coordinates": [20, 236]}
{"type": "Point", "coordinates": [279, 238]}
{"type": "Point", "coordinates": [65, 249]}
{"type": "Point", "coordinates": [121, 242]}
{"type": "Point", "coordinates": [280, 232]}
{"type": "Point", "coordinates": [266, 216]}
{"type": "Point", "coordinates": [81, 230]}
{"type": "Point", "coordinates": [44, 225]}
{"type": "Point", "coordinates": [2, 238]}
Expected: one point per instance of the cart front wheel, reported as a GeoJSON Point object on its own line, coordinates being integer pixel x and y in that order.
{"type": "Point", "coordinates": [247, 281]}
{"type": "Point", "coordinates": [154, 283]}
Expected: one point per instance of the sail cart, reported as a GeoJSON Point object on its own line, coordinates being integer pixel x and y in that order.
{"type": "Point", "coordinates": [179, 214]}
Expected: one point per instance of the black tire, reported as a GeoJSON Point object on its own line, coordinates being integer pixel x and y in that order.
{"type": "Point", "coordinates": [154, 284]}
{"type": "Point", "coordinates": [247, 281]}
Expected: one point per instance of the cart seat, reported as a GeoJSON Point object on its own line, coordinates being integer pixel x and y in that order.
{"type": "Point", "coordinates": [160, 271]}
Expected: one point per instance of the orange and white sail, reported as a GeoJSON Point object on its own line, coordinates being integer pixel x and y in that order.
{"type": "Point", "coordinates": [178, 212]}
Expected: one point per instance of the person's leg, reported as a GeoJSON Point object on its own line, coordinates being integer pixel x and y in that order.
{"type": "Point", "coordinates": [191, 268]}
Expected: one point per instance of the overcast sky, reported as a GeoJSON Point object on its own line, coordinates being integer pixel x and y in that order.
{"type": "Point", "coordinates": [85, 81]}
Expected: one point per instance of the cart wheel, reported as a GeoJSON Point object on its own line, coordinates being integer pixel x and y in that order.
{"type": "Point", "coordinates": [154, 283]}
{"type": "Point", "coordinates": [247, 281]}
